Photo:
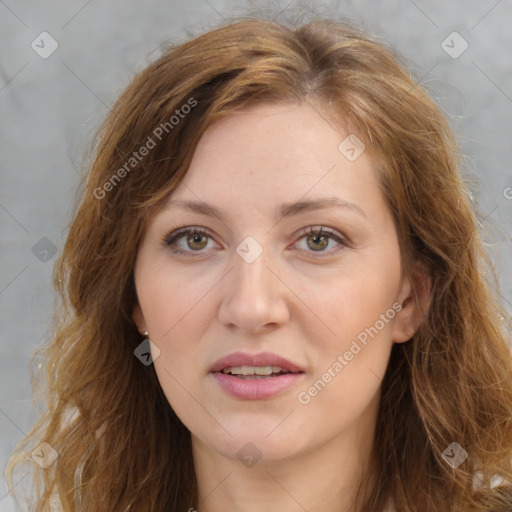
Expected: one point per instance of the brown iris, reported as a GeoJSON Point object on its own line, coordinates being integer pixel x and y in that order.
{"type": "Point", "coordinates": [319, 240]}
{"type": "Point", "coordinates": [197, 241]}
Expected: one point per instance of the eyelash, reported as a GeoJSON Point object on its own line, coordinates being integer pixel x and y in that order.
{"type": "Point", "coordinates": [171, 238]}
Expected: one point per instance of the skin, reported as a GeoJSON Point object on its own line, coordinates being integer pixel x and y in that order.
{"type": "Point", "coordinates": [304, 304]}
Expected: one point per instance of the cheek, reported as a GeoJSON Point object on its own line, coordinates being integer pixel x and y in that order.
{"type": "Point", "coordinates": [177, 312]}
{"type": "Point", "coordinates": [344, 388]}
{"type": "Point", "coordinates": [177, 324]}
{"type": "Point", "coordinates": [346, 304]}
{"type": "Point", "coordinates": [352, 336]}
{"type": "Point", "coordinates": [173, 302]}
{"type": "Point", "coordinates": [180, 327]}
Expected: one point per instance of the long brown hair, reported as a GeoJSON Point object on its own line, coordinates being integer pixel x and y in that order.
{"type": "Point", "coordinates": [120, 446]}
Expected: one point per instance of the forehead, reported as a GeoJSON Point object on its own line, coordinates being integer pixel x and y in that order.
{"type": "Point", "coordinates": [270, 153]}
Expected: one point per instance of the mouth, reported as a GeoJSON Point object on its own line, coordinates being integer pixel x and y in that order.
{"type": "Point", "coordinates": [264, 364]}
{"type": "Point", "coordinates": [255, 377]}
{"type": "Point", "coordinates": [256, 372]}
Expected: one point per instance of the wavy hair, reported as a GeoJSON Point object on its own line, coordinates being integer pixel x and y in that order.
{"type": "Point", "coordinates": [120, 445]}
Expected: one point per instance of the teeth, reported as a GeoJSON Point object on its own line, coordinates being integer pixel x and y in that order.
{"type": "Point", "coordinates": [247, 370]}
{"type": "Point", "coordinates": [254, 370]}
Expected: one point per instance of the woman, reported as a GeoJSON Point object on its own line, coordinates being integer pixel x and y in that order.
{"type": "Point", "coordinates": [273, 294]}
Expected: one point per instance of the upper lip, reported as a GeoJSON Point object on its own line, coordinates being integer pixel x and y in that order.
{"type": "Point", "coordinates": [261, 359]}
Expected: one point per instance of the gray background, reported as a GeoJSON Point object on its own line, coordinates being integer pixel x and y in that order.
{"type": "Point", "coordinates": [50, 109]}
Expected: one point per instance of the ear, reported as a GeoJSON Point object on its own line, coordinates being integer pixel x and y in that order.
{"type": "Point", "coordinates": [138, 318]}
{"type": "Point", "coordinates": [415, 300]}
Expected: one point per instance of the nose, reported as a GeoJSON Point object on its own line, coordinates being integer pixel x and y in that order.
{"type": "Point", "coordinates": [254, 299]}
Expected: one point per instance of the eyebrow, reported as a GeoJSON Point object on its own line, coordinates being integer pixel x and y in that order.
{"type": "Point", "coordinates": [285, 210]}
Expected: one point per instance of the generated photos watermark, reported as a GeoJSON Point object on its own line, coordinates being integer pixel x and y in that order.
{"type": "Point", "coordinates": [304, 397]}
{"type": "Point", "coordinates": [144, 150]}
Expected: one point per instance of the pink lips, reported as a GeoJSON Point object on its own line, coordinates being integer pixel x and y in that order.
{"type": "Point", "coordinates": [255, 389]}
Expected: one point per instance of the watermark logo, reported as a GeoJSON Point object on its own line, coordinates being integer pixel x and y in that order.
{"type": "Point", "coordinates": [44, 45]}
{"type": "Point", "coordinates": [249, 249]}
{"type": "Point", "coordinates": [249, 454]}
{"type": "Point", "coordinates": [147, 352]}
{"type": "Point", "coordinates": [455, 455]}
{"type": "Point", "coordinates": [351, 147]}
{"type": "Point", "coordinates": [44, 250]}
{"type": "Point", "coordinates": [454, 45]}
{"type": "Point", "coordinates": [44, 455]}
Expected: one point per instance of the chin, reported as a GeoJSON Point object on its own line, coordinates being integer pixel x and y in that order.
{"type": "Point", "coordinates": [253, 446]}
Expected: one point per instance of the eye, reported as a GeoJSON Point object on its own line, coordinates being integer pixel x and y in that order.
{"type": "Point", "coordinates": [321, 240]}
{"type": "Point", "coordinates": [194, 241]}
{"type": "Point", "coordinates": [188, 240]}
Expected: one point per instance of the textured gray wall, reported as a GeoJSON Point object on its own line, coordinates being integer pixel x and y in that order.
{"type": "Point", "coordinates": [50, 108]}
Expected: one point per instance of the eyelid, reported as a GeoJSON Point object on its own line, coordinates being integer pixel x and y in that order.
{"type": "Point", "coordinates": [323, 230]}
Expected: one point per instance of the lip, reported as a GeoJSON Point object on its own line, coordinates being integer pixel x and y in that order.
{"type": "Point", "coordinates": [261, 359]}
{"type": "Point", "coordinates": [255, 389]}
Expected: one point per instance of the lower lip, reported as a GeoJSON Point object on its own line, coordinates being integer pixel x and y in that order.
{"type": "Point", "coordinates": [255, 389]}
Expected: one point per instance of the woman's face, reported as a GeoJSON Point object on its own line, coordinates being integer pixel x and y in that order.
{"type": "Point", "coordinates": [286, 248]}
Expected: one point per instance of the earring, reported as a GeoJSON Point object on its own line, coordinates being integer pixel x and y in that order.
{"type": "Point", "coordinates": [145, 334]}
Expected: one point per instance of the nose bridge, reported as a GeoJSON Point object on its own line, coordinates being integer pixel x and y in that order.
{"type": "Point", "coordinates": [250, 262]}
{"type": "Point", "coordinates": [252, 296]}
{"type": "Point", "coordinates": [252, 273]}
{"type": "Point", "coordinates": [251, 277]}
